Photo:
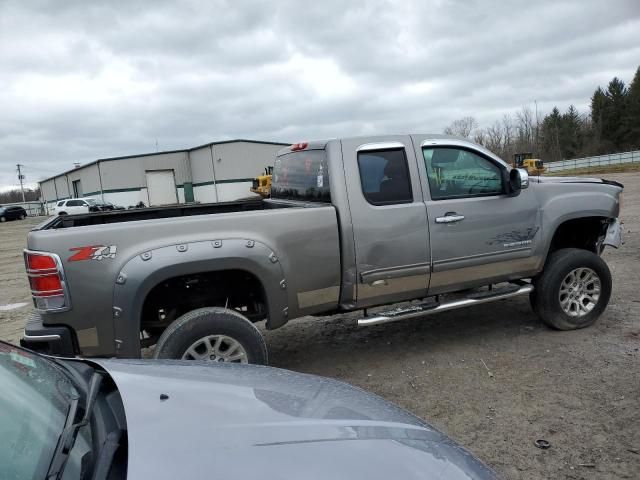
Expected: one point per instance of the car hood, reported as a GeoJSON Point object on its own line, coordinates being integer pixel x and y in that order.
{"type": "Point", "coordinates": [246, 421]}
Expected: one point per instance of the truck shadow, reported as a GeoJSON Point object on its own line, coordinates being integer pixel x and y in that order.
{"type": "Point", "coordinates": [333, 344]}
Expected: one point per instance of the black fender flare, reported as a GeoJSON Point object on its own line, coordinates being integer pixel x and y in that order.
{"type": "Point", "coordinates": [146, 270]}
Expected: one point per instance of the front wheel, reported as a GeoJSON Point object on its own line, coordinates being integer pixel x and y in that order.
{"type": "Point", "coordinates": [213, 334]}
{"type": "Point", "coordinates": [573, 290]}
{"type": "Point", "coordinates": [3, 219]}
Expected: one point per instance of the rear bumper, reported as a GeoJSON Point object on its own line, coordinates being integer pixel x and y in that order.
{"type": "Point", "coordinates": [53, 340]}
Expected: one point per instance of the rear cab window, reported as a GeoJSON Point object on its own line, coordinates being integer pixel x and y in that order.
{"type": "Point", "coordinates": [384, 176]}
{"type": "Point", "coordinates": [301, 175]}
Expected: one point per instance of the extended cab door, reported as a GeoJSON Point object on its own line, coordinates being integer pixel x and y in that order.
{"type": "Point", "coordinates": [479, 233]}
{"type": "Point", "coordinates": [389, 220]}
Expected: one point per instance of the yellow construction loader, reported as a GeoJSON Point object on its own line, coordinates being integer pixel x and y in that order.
{"type": "Point", "coordinates": [534, 166]}
{"type": "Point", "coordinates": [262, 183]}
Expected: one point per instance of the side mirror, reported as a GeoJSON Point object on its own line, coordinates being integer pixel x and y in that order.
{"type": "Point", "coordinates": [518, 179]}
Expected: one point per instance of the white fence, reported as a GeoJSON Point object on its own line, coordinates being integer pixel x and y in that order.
{"type": "Point", "coordinates": [600, 160]}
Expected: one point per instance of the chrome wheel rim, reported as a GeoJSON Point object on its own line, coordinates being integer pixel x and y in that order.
{"type": "Point", "coordinates": [579, 292]}
{"type": "Point", "coordinates": [216, 348]}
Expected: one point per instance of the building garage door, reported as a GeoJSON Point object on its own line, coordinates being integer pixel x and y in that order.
{"type": "Point", "coordinates": [161, 186]}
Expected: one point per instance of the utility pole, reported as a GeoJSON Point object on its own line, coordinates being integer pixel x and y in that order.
{"type": "Point", "coordinates": [21, 178]}
{"type": "Point", "coordinates": [537, 144]}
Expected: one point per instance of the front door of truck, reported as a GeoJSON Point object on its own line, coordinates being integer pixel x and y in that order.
{"type": "Point", "coordinates": [389, 220]}
{"type": "Point", "coordinates": [479, 234]}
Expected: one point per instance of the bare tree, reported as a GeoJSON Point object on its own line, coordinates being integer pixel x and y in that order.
{"type": "Point", "coordinates": [525, 127]}
{"type": "Point", "coordinates": [462, 127]}
{"type": "Point", "coordinates": [508, 137]}
{"type": "Point", "coordinates": [480, 137]}
{"type": "Point", "coordinates": [495, 138]}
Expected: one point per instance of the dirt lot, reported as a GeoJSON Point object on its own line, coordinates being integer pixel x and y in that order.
{"type": "Point", "coordinates": [579, 390]}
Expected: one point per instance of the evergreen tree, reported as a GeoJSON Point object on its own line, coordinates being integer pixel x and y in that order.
{"type": "Point", "coordinates": [632, 140]}
{"type": "Point", "coordinates": [614, 127]}
{"type": "Point", "coordinates": [550, 135]}
{"type": "Point", "coordinates": [598, 104]}
{"type": "Point", "coordinates": [570, 133]}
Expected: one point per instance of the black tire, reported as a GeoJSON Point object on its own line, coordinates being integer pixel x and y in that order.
{"type": "Point", "coordinates": [545, 298]}
{"type": "Point", "coordinates": [22, 217]}
{"type": "Point", "coordinates": [3, 219]}
{"type": "Point", "coordinates": [62, 213]}
{"type": "Point", "coordinates": [186, 330]}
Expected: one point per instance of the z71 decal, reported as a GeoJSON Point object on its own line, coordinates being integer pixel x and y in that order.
{"type": "Point", "coordinates": [93, 252]}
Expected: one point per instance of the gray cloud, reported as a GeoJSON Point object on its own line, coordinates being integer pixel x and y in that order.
{"type": "Point", "coordinates": [82, 80]}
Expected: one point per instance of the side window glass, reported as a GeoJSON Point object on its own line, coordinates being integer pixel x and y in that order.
{"type": "Point", "coordinates": [455, 173]}
{"type": "Point", "coordinates": [384, 176]}
{"type": "Point", "coordinates": [75, 203]}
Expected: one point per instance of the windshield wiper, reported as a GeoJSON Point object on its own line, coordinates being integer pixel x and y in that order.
{"type": "Point", "coordinates": [68, 436]}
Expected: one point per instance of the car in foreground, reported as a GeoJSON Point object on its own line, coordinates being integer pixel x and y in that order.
{"type": "Point", "coordinates": [165, 419]}
{"type": "Point", "coordinates": [12, 212]}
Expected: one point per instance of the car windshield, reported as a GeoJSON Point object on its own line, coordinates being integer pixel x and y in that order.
{"type": "Point", "coordinates": [34, 400]}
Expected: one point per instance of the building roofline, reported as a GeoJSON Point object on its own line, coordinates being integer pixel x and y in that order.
{"type": "Point", "coordinates": [166, 152]}
{"type": "Point", "coordinates": [222, 142]}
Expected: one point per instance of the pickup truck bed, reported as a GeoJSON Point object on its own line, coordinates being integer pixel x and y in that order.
{"type": "Point", "coordinates": [263, 238]}
{"type": "Point", "coordinates": [172, 211]}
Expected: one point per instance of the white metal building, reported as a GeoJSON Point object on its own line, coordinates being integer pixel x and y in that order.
{"type": "Point", "coordinates": [215, 172]}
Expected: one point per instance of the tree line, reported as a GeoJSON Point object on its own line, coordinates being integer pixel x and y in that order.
{"type": "Point", "coordinates": [611, 125]}
{"type": "Point", "coordinates": [15, 196]}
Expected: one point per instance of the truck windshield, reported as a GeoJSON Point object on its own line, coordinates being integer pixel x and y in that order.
{"type": "Point", "coordinates": [34, 400]}
{"type": "Point", "coordinates": [301, 175]}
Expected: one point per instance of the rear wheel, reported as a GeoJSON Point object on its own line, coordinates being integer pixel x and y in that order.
{"type": "Point", "coordinates": [22, 216]}
{"type": "Point", "coordinates": [213, 334]}
{"type": "Point", "coordinates": [573, 290]}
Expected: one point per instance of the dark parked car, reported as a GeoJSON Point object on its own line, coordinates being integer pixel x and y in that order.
{"type": "Point", "coordinates": [12, 212]}
{"type": "Point", "coordinates": [166, 419]}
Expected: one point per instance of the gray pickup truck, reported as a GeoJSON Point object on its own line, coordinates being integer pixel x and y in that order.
{"type": "Point", "coordinates": [427, 222]}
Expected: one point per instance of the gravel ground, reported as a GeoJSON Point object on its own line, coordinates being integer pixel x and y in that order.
{"type": "Point", "coordinates": [491, 377]}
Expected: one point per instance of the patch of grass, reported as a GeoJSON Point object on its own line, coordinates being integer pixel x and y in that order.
{"type": "Point", "coordinates": [618, 168]}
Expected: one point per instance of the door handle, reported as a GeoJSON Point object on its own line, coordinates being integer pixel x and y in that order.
{"type": "Point", "coordinates": [450, 217]}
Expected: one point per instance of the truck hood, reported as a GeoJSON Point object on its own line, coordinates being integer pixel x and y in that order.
{"type": "Point", "coordinates": [246, 421]}
{"type": "Point", "coordinates": [547, 179]}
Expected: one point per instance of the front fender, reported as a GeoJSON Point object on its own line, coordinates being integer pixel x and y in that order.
{"type": "Point", "coordinates": [143, 272]}
{"type": "Point", "coordinates": [560, 208]}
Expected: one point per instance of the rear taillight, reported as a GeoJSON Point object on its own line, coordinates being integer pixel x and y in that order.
{"type": "Point", "coordinates": [47, 282]}
{"type": "Point", "coordinates": [296, 147]}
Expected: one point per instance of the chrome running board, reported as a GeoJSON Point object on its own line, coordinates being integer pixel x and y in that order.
{"type": "Point", "coordinates": [428, 308]}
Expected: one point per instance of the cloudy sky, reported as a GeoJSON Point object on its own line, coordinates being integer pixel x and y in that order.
{"type": "Point", "coordinates": [84, 80]}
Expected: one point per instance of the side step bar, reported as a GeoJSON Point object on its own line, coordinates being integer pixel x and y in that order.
{"type": "Point", "coordinates": [427, 308]}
